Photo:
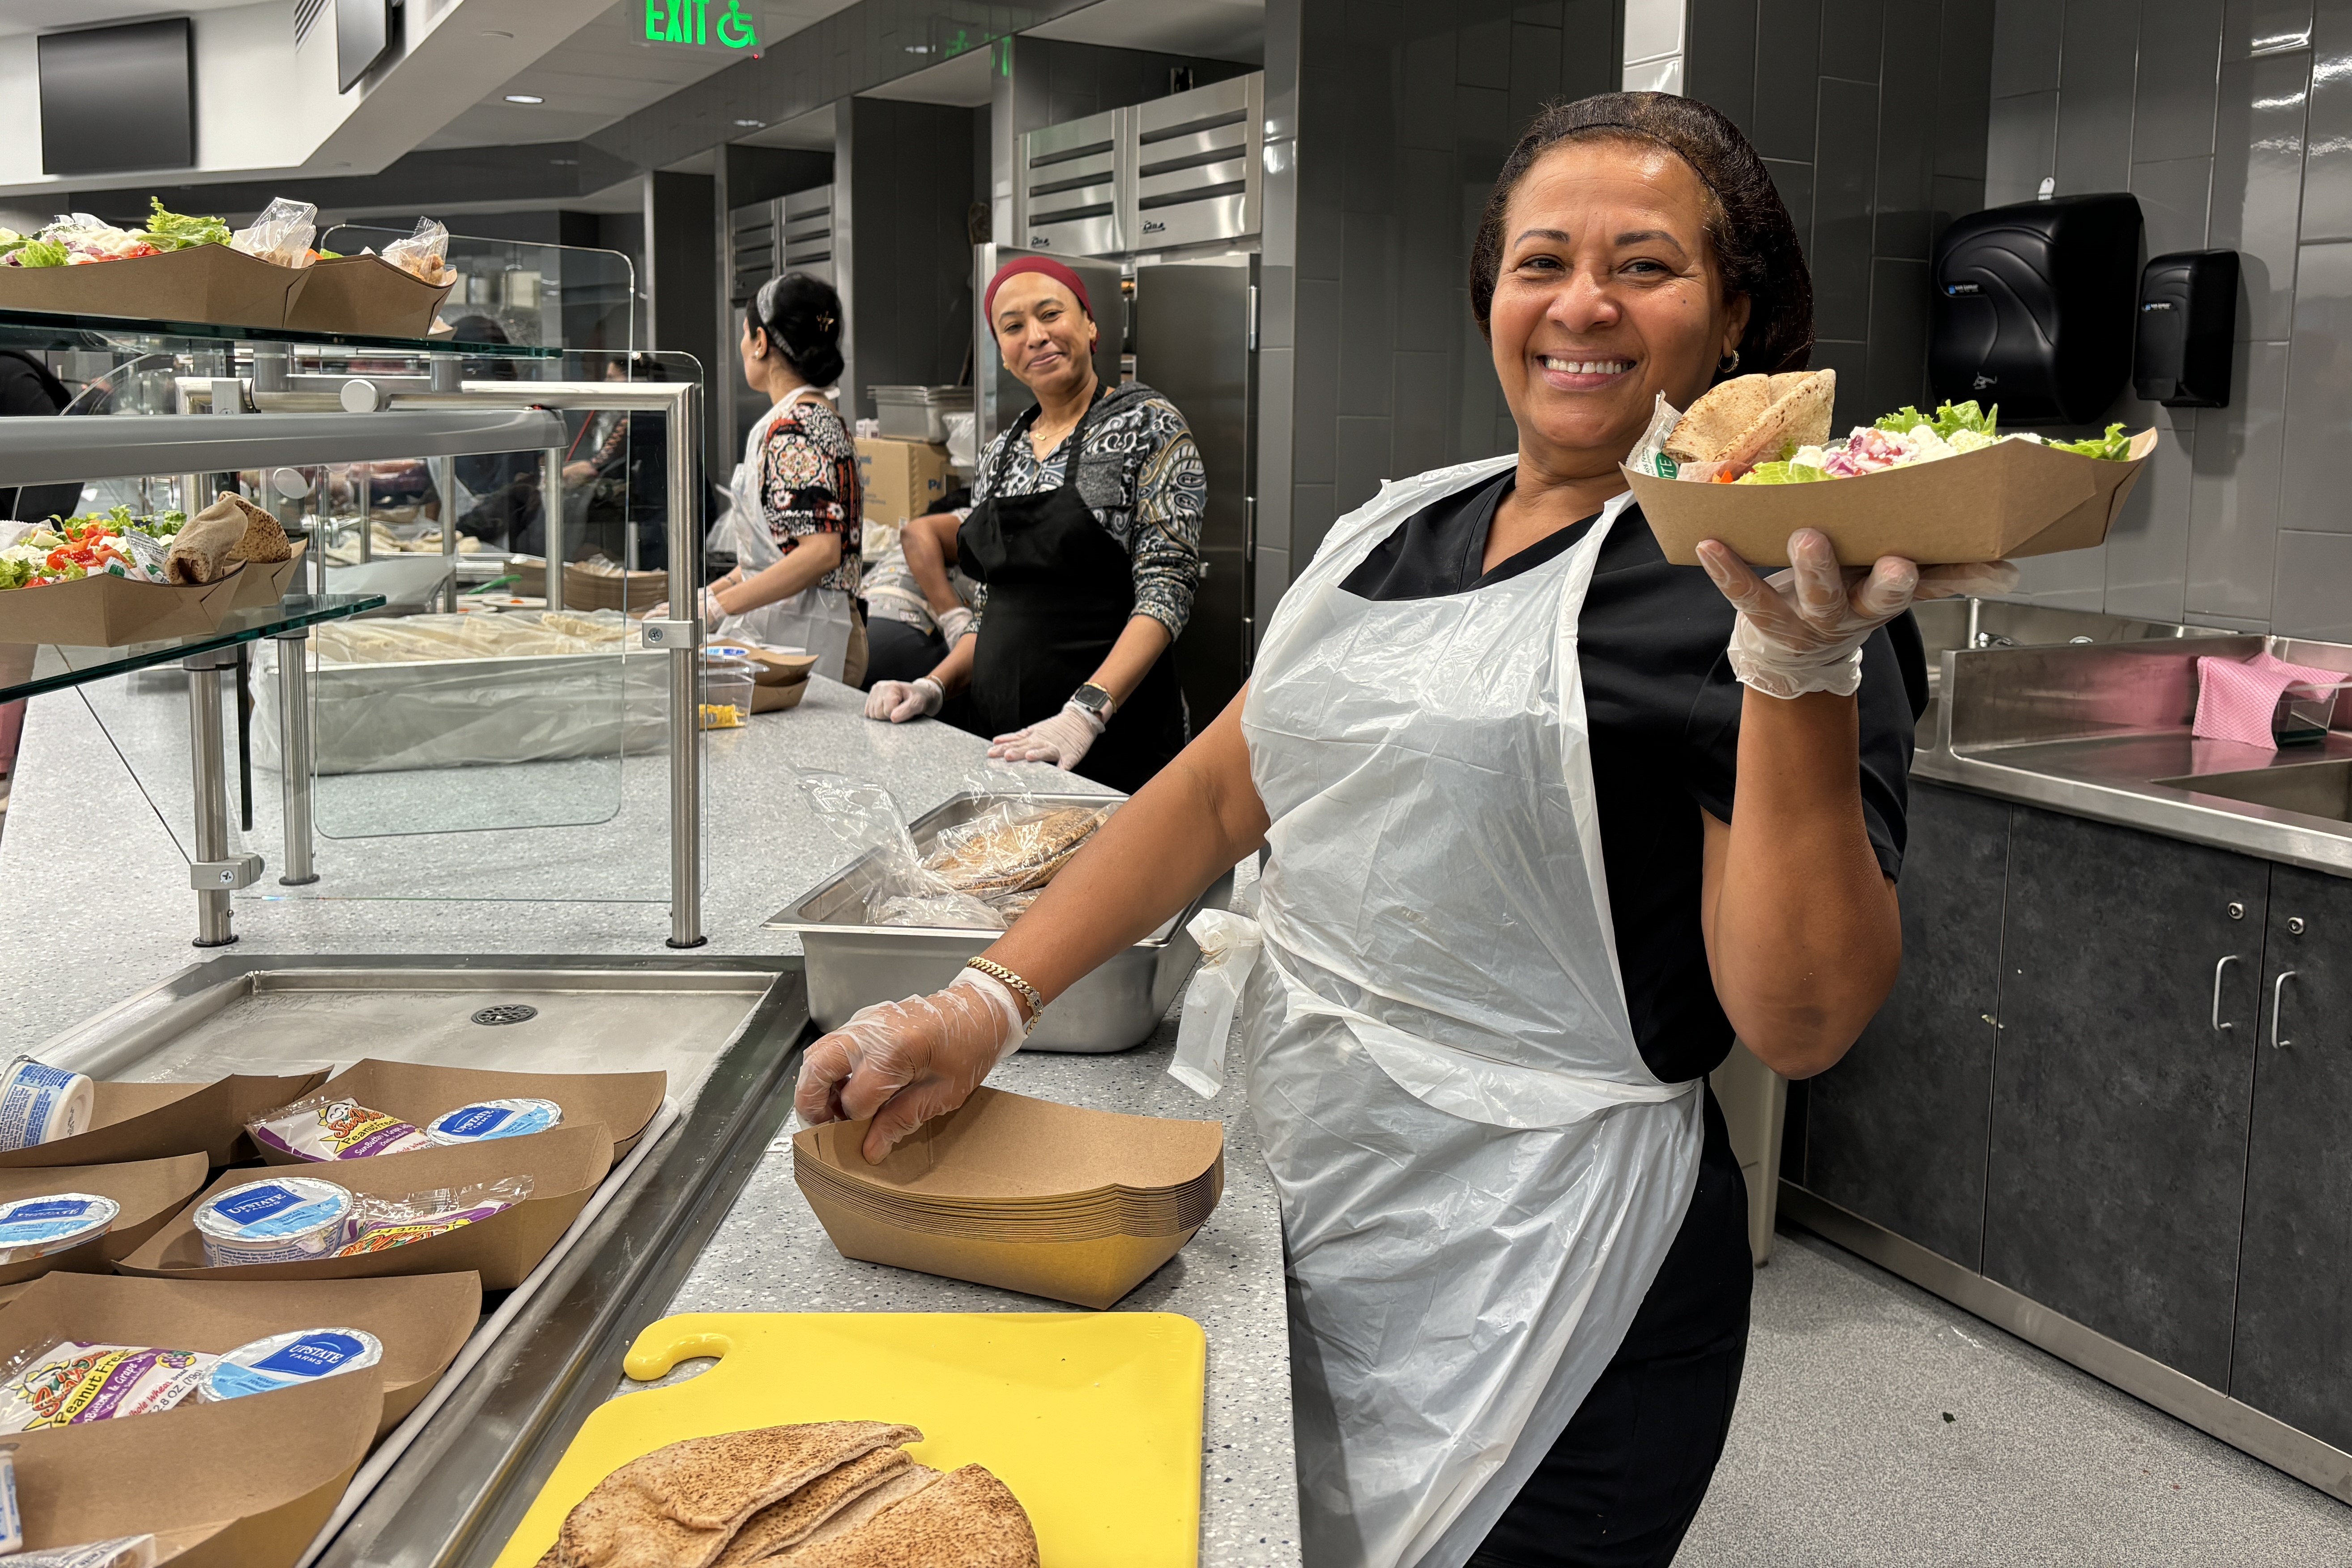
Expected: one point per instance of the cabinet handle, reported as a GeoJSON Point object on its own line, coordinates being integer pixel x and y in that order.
{"type": "Point", "coordinates": [2218, 1026]}
{"type": "Point", "coordinates": [2278, 998]}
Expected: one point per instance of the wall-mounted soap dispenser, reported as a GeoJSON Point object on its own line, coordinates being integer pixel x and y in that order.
{"type": "Point", "coordinates": [2188, 323]}
{"type": "Point", "coordinates": [2034, 307]}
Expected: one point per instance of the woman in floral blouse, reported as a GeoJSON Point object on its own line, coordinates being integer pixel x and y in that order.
{"type": "Point", "coordinates": [797, 510]}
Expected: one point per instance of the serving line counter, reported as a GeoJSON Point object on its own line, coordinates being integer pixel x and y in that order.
{"type": "Point", "coordinates": [712, 1221]}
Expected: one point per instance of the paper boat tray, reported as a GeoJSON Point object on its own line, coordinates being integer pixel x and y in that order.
{"type": "Point", "coordinates": [564, 1164]}
{"type": "Point", "coordinates": [623, 1102]}
{"type": "Point", "coordinates": [242, 1484]}
{"type": "Point", "coordinates": [150, 1120]}
{"type": "Point", "coordinates": [106, 611]}
{"type": "Point", "coordinates": [2005, 501]}
{"type": "Point", "coordinates": [422, 1320]}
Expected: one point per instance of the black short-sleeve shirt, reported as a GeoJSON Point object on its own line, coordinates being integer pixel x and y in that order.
{"type": "Point", "coordinates": [1663, 710]}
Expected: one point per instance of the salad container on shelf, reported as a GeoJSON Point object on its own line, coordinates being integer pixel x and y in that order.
{"type": "Point", "coordinates": [208, 284]}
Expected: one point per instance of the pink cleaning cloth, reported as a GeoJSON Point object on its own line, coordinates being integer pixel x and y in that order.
{"type": "Point", "coordinates": [2235, 701]}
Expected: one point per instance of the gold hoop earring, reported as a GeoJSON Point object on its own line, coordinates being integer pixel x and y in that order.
{"type": "Point", "coordinates": [1727, 363]}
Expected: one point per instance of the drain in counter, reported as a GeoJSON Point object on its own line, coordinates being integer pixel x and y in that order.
{"type": "Point", "coordinates": [823, 1495]}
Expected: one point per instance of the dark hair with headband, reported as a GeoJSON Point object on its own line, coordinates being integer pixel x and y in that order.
{"type": "Point", "coordinates": [801, 316]}
{"type": "Point", "coordinates": [1748, 226]}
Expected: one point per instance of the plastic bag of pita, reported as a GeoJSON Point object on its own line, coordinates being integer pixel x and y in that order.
{"type": "Point", "coordinates": [424, 255]}
{"type": "Point", "coordinates": [282, 234]}
{"type": "Point", "coordinates": [1751, 461]}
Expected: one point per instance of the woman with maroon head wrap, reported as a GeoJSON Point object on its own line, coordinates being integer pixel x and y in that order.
{"type": "Point", "coordinates": [1084, 533]}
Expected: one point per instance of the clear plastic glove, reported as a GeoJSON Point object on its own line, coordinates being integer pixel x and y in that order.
{"type": "Point", "coordinates": [1061, 740]}
{"type": "Point", "coordinates": [954, 624]}
{"type": "Point", "coordinates": [707, 602]}
{"type": "Point", "coordinates": [1803, 629]}
{"type": "Point", "coordinates": [903, 1063]}
{"type": "Point", "coordinates": [899, 701]}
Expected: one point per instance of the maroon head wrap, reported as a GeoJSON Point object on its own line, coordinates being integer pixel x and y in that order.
{"type": "Point", "coordinates": [1045, 265]}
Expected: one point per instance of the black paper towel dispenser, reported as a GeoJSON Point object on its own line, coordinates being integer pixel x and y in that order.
{"type": "Point", "coordinates": [2188, 323]}
{"type": "Point", "coordinates": [2034, 306]}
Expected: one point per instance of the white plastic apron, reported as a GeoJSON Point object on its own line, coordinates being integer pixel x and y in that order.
{"type": "Point", "coordinates": [1479, 1175]}
{"type": "Point", "coordinates": [816, 619]}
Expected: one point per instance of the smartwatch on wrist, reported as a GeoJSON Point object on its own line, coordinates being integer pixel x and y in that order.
{"type": "Point", "coordinates": [1095, 700]}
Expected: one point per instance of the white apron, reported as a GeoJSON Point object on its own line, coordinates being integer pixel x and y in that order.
{"type": "Point", "coordinates": [817, 620]}
{"type": "Point", "coordinates": [1479, 1175]}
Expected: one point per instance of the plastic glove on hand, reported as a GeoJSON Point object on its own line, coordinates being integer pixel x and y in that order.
{"type": "Point", "coordinates": [1061, 740]}
{"type": "Point", "coordinates": [1803, 629]}
{"type": "Point", "coordinates": [954, 624]}
{"type": "Point", "coordinates": [711, 613]}
{"type": "Point", "coordinates": [899, 701]}
{"type": "Point", "coordinates": [903, 1063]}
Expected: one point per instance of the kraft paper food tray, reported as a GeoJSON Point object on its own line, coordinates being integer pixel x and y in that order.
{"type": "Point", "coordinates": [260, 584]}
{"type": "Point", "coordinates": [364, 294]}
{"type": "Point", "coordinates": [1084, 1273]}
{"type": "Point", "coordinates": [150, 1120]}
{"type": "Point", "coordinates": [150, 1191]}
{"type": "Point", "coordinates": [204, 283]}
{"type": "Point", "coordinates": [245, 1483]}
{"type": "Point", "coordinates": [566, 1165]}
{"type": "Point", "coordinates": [2005, 501]}
{"type": "Point", "coordinates": [422, 1320]}
{"type": "Point", "coordinates": [106, 611]}
{"type": "Point", "coordinates": [1000, 1146]}
{"type": "Point", "coordinates": [624, 1103]}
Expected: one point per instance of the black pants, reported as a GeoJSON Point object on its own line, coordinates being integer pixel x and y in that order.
{"type": "Point", "coordinates": [1622, 1485]}
{"type": "Point", "coordinates": [897, 651]}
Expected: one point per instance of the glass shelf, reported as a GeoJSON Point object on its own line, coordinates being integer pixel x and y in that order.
{"type": "Point", "coordinates": [289, 614]}
{"type": "Point", "coordinates": [60, 331]}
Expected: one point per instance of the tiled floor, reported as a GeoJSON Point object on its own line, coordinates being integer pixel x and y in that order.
{"type": "Point", "coordinates": [1879, 1426]}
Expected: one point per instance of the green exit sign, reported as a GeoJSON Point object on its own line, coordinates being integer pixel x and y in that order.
{"type": "Point", "coordinates": [690, 22]}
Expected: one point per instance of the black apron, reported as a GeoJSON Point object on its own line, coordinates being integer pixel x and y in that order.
{"type": "Point", "coordinates": [1060, 590]}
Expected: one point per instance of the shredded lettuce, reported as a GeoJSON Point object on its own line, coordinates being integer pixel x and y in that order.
{"type": "Point", "coordinates": [1948, 420]}
{"type": "Point", "coordinates": [41, 253]}
{"type": "Point", "coordinates": [1782, 474]}
{"type": "Point", "coordinates": [2114, 446]}
{"type": "Point", "coordinates": [168, 230]}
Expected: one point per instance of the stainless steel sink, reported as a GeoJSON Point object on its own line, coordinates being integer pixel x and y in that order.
{"type": "Point", "coordinates": [2306, 789]}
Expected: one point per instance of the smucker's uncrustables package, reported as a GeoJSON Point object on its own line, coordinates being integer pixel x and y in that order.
{"type": "Point", "coordinates": [1934, 501]}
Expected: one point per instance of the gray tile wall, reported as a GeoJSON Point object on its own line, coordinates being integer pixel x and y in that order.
{"type": "Point", "coordinates": [2232, 121]}
{"type": "Point", "coordinates": [909, 173]}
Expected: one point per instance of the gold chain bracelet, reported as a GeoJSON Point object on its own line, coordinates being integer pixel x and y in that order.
{"type": "Point", "coordinates": [996, 971]}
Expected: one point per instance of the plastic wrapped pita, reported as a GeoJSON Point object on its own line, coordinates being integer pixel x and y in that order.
{"type": "Point", "coordinates": [282, 234]}
{"type": "Point", "coordinates": [903, 892]}
{"type": "Point", "coordinates": [424, 255]}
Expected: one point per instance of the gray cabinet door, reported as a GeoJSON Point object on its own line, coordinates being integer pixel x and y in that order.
{"type": "Point", "coordinates": [2116, 1175]}
{"type": "Point", "coordinates": [2294, 1286]}
{"type": "Point", "coordinates": [1896, 1133]}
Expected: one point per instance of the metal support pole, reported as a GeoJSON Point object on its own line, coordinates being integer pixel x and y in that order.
{"type": "Point", "coordinates": [211, 873]}
{"type": "Point", "coordinates": [685, 656]}
{"type": "Point", "coordinates": [551, 510]}
{"type": "Point", "coordinates": [366, 483]}
{"type": "Point", "coordinates": [444, 485]}
{"type": "Point", "coordinates": [294, 759]}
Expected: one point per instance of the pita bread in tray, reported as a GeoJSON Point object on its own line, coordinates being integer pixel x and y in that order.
{"type": "Point", "coordinates": [1756, 419]}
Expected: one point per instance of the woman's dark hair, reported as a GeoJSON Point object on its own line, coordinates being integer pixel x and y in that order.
{"type": "Point", "coordinates": [801, 316]}
{"type": "Point", "coordinates": [1755, 244]}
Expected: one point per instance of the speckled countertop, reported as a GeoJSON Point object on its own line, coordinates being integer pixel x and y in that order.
{"type": "Point", "coordinates": [92, 855]}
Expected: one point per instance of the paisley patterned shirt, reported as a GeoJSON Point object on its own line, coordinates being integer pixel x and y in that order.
{"type": "Point", "coordinates": [808, 485]}
{"type": "Point", "coordinates": [1141, 474]}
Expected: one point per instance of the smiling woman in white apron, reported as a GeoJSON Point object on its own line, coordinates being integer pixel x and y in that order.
{"type": "Point", "coordinates": [796, 512]}
{"type": "Point", "coordinates": [1547, 820]}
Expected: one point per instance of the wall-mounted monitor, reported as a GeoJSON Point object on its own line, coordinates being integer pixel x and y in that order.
{"type": "Point", "coordinates": [363, 34]}
{"type": "Point", "coordinates": [117, 99]}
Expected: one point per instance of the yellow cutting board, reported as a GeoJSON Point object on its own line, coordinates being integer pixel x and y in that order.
{"type": "Point", "coordinates": [1092, 1418]}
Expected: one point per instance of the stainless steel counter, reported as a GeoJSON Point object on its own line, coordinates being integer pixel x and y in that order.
{"type": "Point", "coordinates": [2100, 729]}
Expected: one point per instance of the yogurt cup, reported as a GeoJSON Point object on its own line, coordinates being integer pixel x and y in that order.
{"type": "Point", "coordinates": [289, 1361]}
{"type": "Point", "coordinates": [286, 1219]}
{"type": "Point", "coordinates": [40, 1104]}
{"type": "Point", "coordinates": [35, 1228]}
{"type": "Point", "coordinates": [487, 1119]}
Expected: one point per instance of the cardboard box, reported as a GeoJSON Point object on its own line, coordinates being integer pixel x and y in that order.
{"type": "Point", "coordinates": [365, 295]}
{"type": "Point", "coordinates": [245, 1483]}
{"type": "Point", "coordinates": [150, 1191]}
{"type": "Point", "coordinates": [900, 479]}
{"type": "Point", "coordinates": [622, 1103]}
{"type": "Point", "coordinates": [564, 1166]}
{"type": "Point", "coordinates": [151, 1121]}
{"type": "Point", "coordinates": [423, 1320]}
{"type": "Point", "coordinates": [2005, 501]}
{"type": "Point", "coordinates": [106, 611]}
{"type": "Point", "coordinates": [205, 283]}
{"type": "Point", "coordinates": [260, 584]}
